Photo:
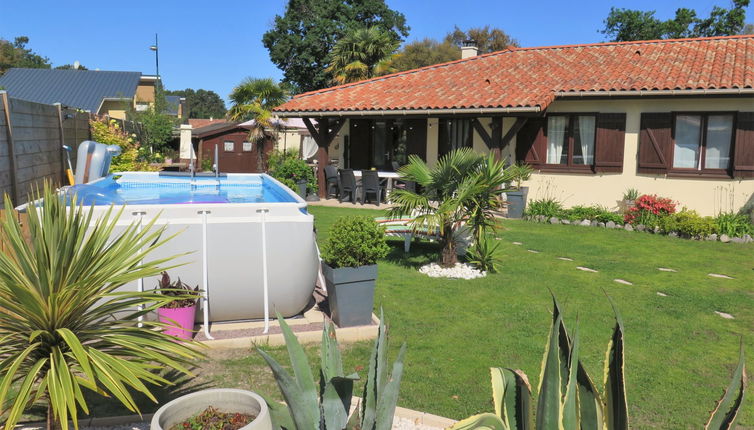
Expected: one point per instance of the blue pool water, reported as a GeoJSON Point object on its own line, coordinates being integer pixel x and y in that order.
{"type": "Point", "coordinates": [139, 188]}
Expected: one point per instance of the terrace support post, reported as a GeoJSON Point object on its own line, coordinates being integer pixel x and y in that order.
{"type": "Point", "coordinates": [323, 135]}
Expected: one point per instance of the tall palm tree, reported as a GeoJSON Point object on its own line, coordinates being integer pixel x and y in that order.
{"type": "Point", "coordinates": [254, 99]}
{"type": "Point", "coordinates": [362, 54]}
{"type": "Point", "coordinates": [65, 327]}
{"type": "Point", "coordinates": [462, 188]}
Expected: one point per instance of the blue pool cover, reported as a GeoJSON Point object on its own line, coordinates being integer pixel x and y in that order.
{"type": "Point", "coordinates": [153, 189]}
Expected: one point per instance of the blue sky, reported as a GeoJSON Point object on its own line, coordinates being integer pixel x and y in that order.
{"type": "Point", "coordinates": [213, 45]}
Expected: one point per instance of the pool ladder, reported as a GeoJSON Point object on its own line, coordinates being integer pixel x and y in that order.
{"type": "Point", "coordinates": [215, 167]}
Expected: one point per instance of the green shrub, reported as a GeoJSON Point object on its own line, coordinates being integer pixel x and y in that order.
{"type": "Point", "coordinates": [546, 207]}
{"type": "Point", "coordinates": [733, 224]}
{"type": "Point", "coordinates": [130, 158]}
{"type": "Point", "coordinates": [578, 213]}
{"type": "Point", "coordinates": [688, 223]}
{"type": "Point", "coordinates": [483, 255]}
{"type": "Point", "coordinates": [354, 241]}
{"type": "Point", "coordinates": [287, 168]}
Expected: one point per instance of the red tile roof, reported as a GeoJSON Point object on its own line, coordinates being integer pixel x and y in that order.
{"type": "Point", "coordinates": [531, 77]}
{"type": "Point", "coordinates": [201, 122]}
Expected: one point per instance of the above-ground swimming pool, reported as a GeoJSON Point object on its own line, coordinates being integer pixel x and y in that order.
{"type": "Point", "coordinates": [220, 223]}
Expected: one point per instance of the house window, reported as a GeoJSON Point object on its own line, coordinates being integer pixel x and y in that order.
{"type": "Point", "coordinates": [570, 140]}
{"type": "Point", "coordinates": [454, 134]}
{"type": "Point", "coordinates": [702, 141]}
{"type": "Point", "coordinates": [247, 147]}
{"type": "Point", "coordinates": [229, 146]}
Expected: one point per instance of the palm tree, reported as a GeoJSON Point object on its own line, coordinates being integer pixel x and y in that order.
{"type": "Point", "coordinates": [64, 324]}
{"type": "Point", "coordinates": [463, 187]}
{"type": "Point", "coordinates": [362, 54]}
{"type": "Point", "coordinates": [254, 99]}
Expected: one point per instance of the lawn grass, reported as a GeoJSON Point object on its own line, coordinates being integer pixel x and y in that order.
{"type": "Point", "coordinates": [679, 353]}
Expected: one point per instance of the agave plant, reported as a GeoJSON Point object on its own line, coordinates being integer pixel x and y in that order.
{"type": "Point", "coordinates": [328, 406]}
{"type": "Point", "coordinates": [569, 400]}
{"type": "Point", "coordinates": [64, 325]}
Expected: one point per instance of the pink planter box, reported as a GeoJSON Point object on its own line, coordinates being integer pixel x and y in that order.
{"type": "Point", "coordinates": [181, 320]}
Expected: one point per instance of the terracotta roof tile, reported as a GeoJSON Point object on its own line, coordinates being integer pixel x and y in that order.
{"type": "Point", "coordinates": [530, 77]}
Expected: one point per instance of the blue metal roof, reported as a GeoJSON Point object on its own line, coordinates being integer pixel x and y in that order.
{"type": "Point", "coordinates": [82, 89]}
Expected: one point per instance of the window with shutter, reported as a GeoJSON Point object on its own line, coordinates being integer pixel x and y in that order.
{"type": "Point", "coordinates": [743, 153]}
{"type": "Point", "coordinates": [531, 142]}
{"type": "Point", "coordinates": [611, 136]}
{"type": "Point", "coordinates": [655, 142]}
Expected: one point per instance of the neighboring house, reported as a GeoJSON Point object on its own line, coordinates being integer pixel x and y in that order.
{"type": "Point", "coordinates": [97, 91]}
{"type": "Point", "coordinates": [235, 152]}
{"type": "Point", "coordinates": [668, 117]}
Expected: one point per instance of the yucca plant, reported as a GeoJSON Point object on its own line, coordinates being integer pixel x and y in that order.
{"type": "Point", "coordinates": [483, 255]}
{"type": "Point", "coordinates": [569, 400]}
{"type": "Point", "coordinates": [64, 326]}
{"type": "Point", "coordinates": [328, 406]}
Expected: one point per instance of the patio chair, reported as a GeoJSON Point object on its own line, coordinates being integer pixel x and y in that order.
{"type": "Point", "coordinates": [331, 181]}
{"type": "Point", "coordinates": [347, 185]}
{"type": "Point", "coordinates": [370, 184]}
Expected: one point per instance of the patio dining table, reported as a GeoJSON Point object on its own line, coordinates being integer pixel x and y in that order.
{"type": "Point", "coordinates": [382, 174]}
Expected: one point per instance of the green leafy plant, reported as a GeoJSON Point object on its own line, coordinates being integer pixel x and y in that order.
{"type": "Point", "coordinates": [66, 325]}
{"type": "Point", "coordinates": [688, 223]}
{"type": "Point", "coordinates": [328, 406]}
{"type": "Point", "coordinates": [156, 124]}
{"type": "Point", "coordinates": [287, 168]}
{"type": "Point", "coordinates": [207, 164]}
{"type": "Point", "coordinates": [183, 295]}
{"type": "Point", "coordinates": [733, 224]}
{"type": "Point", "coordinates": [461, 187]}
{"type": "Point", "coordinates": [483, 255]}
{"type": "Point", "coordinates": [547, 207]}
{"type": "Point", "coordinates": [631, 194]}
{"type": "Point", "coordinates": [519, 172]}
{"type": "Point", "coordinates": [354, 241]}
{"type": "Point", "coordinates": [130, 159]}
{"type": "Point", "coordinates": [569, 400]}
{"type": "Point", "coordinates": [649, 210]}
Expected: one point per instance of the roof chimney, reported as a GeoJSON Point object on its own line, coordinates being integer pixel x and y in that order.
{"type": "Point", "coordinates": [469, 49]}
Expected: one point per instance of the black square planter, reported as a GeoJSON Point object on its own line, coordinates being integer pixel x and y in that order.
{"type": "Point", "coordinates": [350, 294]}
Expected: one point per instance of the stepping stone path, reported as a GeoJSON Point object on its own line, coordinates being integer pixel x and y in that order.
{"type": "Point", "coordinates": [725, 315]}
{"type": "Point", "coordinates": [517, 243]}
{"type": "Point", "coordinates": [533, 251]}
{"type": "Point", "coordinates": [661, 294]}
{"type": "Point", "coordinates": [717, 275]}
{"type": "Point", "coordinates": [586, 269]}
{"type": "Point", "coordinates": [565, 258]}
{"type": "Point", "coordinates": [665, 269]}
{"type": "Point", "coordinates": [623, 281]}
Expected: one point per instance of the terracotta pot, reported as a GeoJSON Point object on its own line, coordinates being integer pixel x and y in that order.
{"type": "Point", "coordinates": [181, 320]}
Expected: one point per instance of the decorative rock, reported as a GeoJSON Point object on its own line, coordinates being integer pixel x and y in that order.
{"type": "Point", "coordinates": [661, 294]}
{"type": "Point", "coordinates": [665, 269]}
{"type": "Point", "coordinates": [725, 315]}
{"type": "Point", "coordinates": [712, 237]}
{"type": "Point", "coordinates": [459, 271]}
{"type": "Point", "coordinates": [738, 240]}
{"type": "Point", "coordinates": [748, 239]}
{"type": "Point", "coordinates": [517, 243]}
{"type": "Point", "coordinates": [673, 234]}
{"type": "Point", "coordinates": [594, 223]}
{"type": "Point", "coordinates": [618, 226]}
{"type": "Point", "coordinates": [554, 220]}
{"type": "Point", "coordinates": [585, 223]}
{"type": "Point", "coordinates": [656, 229]}
{"type": "Point", "coordinates": [533, 251]}
{"type": "Point", "coordinates": [610, 224]}
{"type": "Point", "coordinates": [601, 224]}
{"type": "Point", "coordinates": [724, 238]}
{"type": "Point", "coordinates": [565, 221]}
{"type": "Point", "coordinates": [629, 227]}
{"type": "Point", "coordinates": [641, 227]}
{"type": "Point", "coordinates": [586, 269]}
{"type": "Point", "coordinates": [623, 281]}
{"type": "Point", "coordinates": [565, 258]}
{"type": "Point", "coordinates": [717, 275]}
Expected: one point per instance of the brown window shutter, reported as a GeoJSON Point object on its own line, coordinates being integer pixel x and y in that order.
{"type": "Point", "coordinates": [609, 142]}
{"type": "Point", "coordinates": [743, 157]}
{"type": "Point", "coordinates": [655, 142]}
{"type": "Point", "coordinates": [531, 142]}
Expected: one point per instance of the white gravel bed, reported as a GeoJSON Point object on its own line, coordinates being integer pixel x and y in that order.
{"type": "Point", "coordinates": [459, 271]}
